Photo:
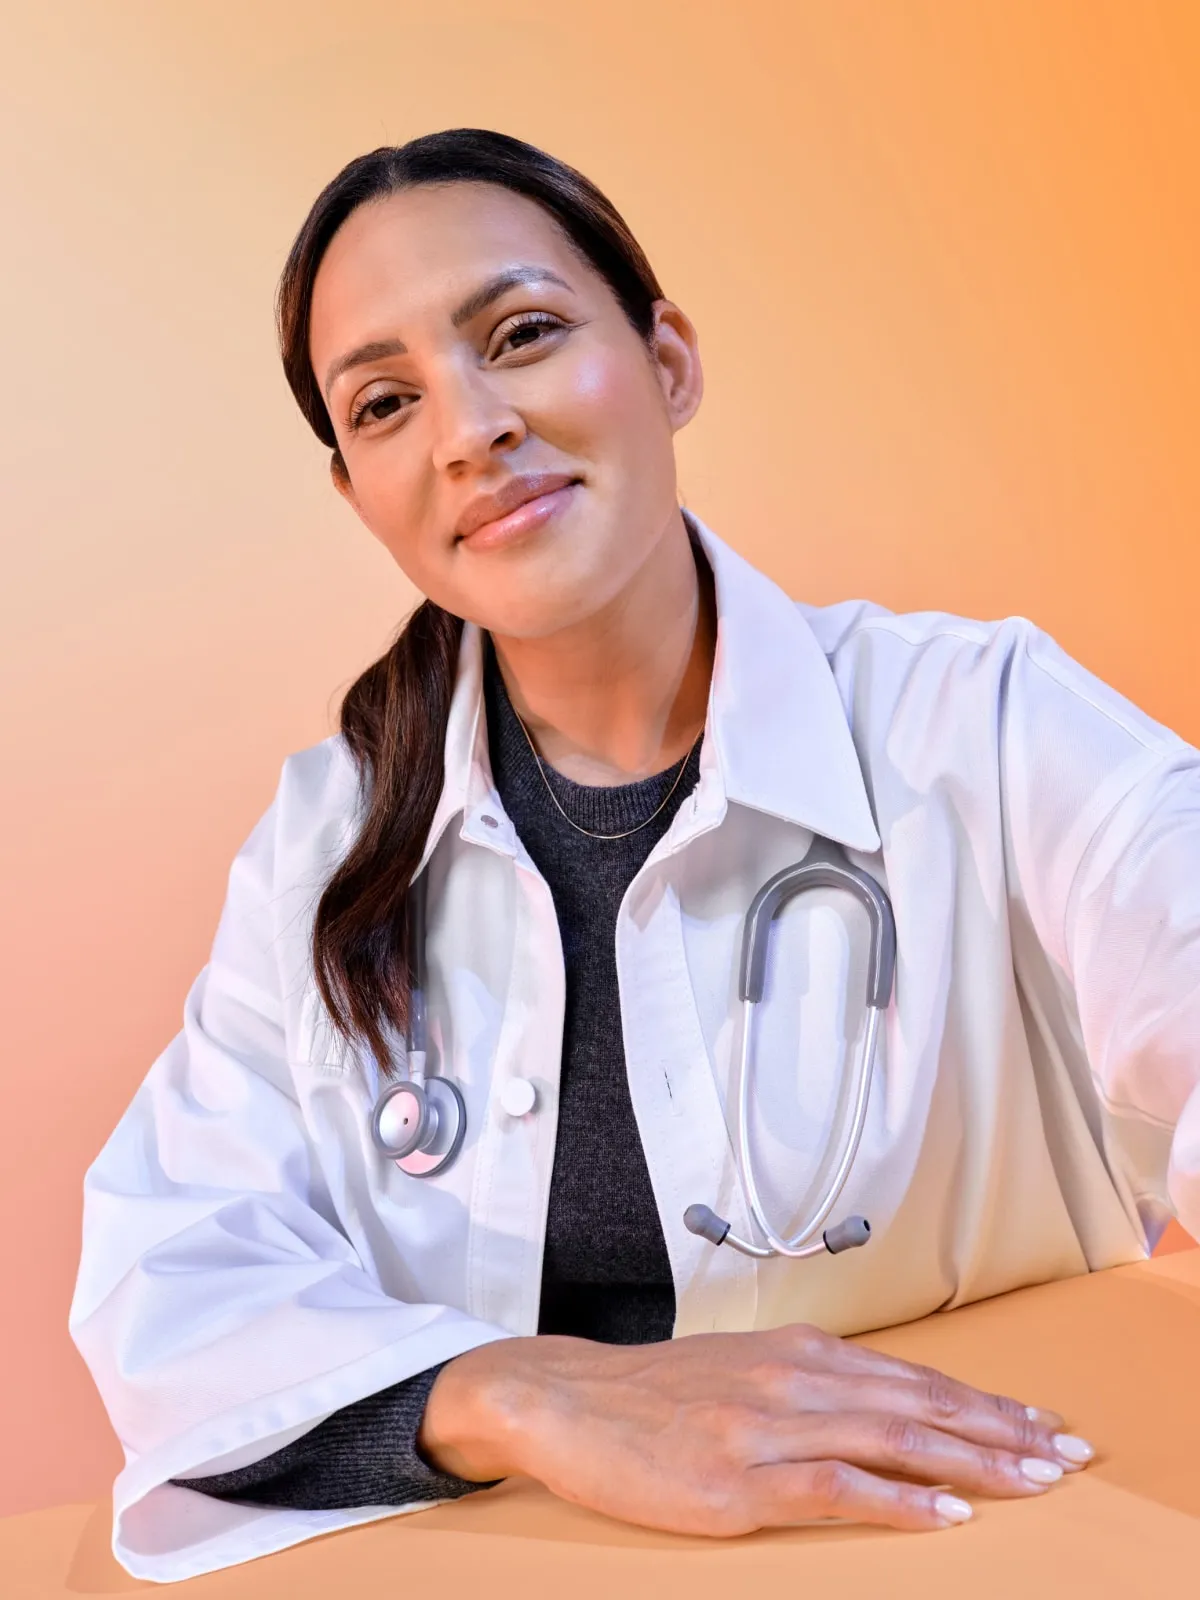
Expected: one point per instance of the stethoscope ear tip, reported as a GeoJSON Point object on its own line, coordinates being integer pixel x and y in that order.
{"type": "Point", "coordinates": [847, 1235]}
{"type": "Point", "coordinates": [704, 1221]}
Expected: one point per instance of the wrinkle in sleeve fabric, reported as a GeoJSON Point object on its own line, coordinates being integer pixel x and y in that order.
{"type": "Point", "coordinates": [1103, 807]}
{"type": "Point", "coordinates": [220, 1308]}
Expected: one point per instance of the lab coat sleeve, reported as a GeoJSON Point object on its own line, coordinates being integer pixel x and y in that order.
{"type": "Point", "coordinates": [1104, 820]}
{"type": "Point", "coordinates": [219, 1306]}
{"type": "Point", "coordinates": [364, 1454]}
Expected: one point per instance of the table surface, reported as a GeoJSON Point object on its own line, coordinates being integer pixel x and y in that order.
{"type": "Point", "coordinates": [1114, 1352]}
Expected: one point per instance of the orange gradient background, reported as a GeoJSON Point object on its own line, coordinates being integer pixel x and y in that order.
{"type": "Point", "coordinates": [944, 260]}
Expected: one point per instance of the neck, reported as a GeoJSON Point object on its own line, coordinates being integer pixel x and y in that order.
{"type": "Point", "coordinates": [624, 694]}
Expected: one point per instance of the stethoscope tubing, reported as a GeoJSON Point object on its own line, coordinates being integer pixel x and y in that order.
{"type": "Point", "coordinates": [798, 1246]}
{"type": "Point", "coordinates": [823, 867]}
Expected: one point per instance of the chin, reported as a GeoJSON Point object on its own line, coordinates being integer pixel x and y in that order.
{"type": "Point", "coordinates": [536, 614]}
{"type": "Point", "coordinates": [536, 598]}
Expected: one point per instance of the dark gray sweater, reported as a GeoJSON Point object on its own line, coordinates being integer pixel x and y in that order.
{"type": "Point", "coordinates": [605, 1270]}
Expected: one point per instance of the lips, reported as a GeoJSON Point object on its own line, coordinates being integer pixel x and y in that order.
{"type": "Point", "coordinates": [516, 492]}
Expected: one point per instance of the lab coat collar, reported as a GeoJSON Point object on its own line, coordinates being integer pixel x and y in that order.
{"type": "Point", "coordinates": [776, 738]}
{"type": "Point", "coordinates": [775, 714]}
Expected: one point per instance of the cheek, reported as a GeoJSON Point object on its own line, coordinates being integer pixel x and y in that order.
{"type": "Point", "coordinates": [610, 402]}
{"type": "Point", "coordinates": [395, 512]}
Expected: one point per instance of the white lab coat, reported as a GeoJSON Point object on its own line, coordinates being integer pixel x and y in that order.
{"type": "Point", "coordinates": [250, 1264]}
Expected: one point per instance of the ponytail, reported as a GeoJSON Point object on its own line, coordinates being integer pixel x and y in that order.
{"type": "Point", "coordinates": [393, 719]}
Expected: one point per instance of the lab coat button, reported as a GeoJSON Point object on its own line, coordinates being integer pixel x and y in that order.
{"type": "Point", "coordinates": [518, 1096]}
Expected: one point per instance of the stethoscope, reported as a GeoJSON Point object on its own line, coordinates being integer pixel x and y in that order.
{"type": "Point", "coordinates": [419, 1122]}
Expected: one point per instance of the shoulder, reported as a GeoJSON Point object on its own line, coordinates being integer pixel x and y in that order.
{"type": "Point", "coordinates": [277, 876]}
{"type": "Point", "coordinates": [319, 780]}
{"type": "Point", "coordinates": [862, 627]}
{"type": "Point", "coordinates": [1009, 670]}
{"type": "Point", "coordinates": [313, 814]}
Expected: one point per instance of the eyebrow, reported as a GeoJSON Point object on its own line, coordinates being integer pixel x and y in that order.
{"type": "Point", "coordinates": [499, 283]}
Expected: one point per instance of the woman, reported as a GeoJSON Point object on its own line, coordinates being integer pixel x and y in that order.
{"type": "Point", "coordinates": [596, 739]}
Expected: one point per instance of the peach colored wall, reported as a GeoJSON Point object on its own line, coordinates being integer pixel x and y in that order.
{"type": "Point", "coordinates": [944, 260]}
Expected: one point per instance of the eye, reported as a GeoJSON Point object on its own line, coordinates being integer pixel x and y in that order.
{"type": "Point", "coordinates": [372, 408]}
{"type": "Point", "coordinates": [531, 319]}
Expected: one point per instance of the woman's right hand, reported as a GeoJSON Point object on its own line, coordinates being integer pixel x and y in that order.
{"type": "Point", "coordinates": [722, 1433]}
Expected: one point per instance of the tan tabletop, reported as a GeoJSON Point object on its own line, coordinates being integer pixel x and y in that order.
{"type": "Point", "coordinates": [1117, 1353]}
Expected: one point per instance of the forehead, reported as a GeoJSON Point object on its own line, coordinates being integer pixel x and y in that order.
{"type": "Point", "coordinates": [413, 254]}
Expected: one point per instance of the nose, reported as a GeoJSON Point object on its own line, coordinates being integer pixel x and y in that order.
{"type": "Point", "coordinates": [471, 418]}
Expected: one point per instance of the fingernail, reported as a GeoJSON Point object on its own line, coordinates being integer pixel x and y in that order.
{"type": "Point", "coordinates": [1048, 1419]}
{"type": "Point", "coordinates": [952, 1509]}
{"type": "Point", "coordinates": [1038, 1471]}
{"type": "Point", "coordinates": [1073, 1448]}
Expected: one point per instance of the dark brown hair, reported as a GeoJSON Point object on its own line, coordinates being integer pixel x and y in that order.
{"type": "Point", "coordinates": [393, 717]}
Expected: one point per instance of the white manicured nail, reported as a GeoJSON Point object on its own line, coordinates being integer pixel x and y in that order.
{"type": "Point", "coordinates": [952, 1508]}
{"type": "Point", "coordinates": [1072, 1448]}
{"type": "Point", "coordinates": [1038, 1471]}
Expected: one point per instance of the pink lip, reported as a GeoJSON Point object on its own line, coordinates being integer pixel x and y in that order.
{"type": "Point", "coordinates": [530, 515]}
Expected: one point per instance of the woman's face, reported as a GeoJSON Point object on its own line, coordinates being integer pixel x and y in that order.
{"type": "Point", "coordinates": [433, 408]}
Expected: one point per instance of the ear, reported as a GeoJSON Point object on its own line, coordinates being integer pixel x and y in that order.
{"type": "Point", "coordinates": [677, 361]}
{"type": "Point", "coordinates": [341, 481]}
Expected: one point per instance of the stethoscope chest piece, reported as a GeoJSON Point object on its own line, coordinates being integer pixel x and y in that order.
{"type": "Point", "coordinates": [420, 1125]}
{"type": "Point", "coordinates": [419, 1122]}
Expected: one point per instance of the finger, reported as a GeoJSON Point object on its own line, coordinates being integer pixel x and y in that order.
{"type": "Point", "coordinates": [810, 1491]}
{"type": "Point", "coordinates": [946, 1401]}
{"type": "Point", "coordinates": [952, 1407]}
{"type": "Point", "coordinates": [826, 1352]}
{"type": "Point", "coordinates": [880, 1441]}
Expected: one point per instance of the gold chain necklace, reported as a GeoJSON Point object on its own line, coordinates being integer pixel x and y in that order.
{"type": "Point", "coordinates": [541, 772]}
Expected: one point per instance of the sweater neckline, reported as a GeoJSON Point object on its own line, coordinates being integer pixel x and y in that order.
{"type": "Point", "coordinates": [600, 808]}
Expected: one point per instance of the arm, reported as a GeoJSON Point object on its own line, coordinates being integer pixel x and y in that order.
{"type": "Point", "coordinates": [1103, 810]}
{"type": "Point", "coordinates": [219, 1306]}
